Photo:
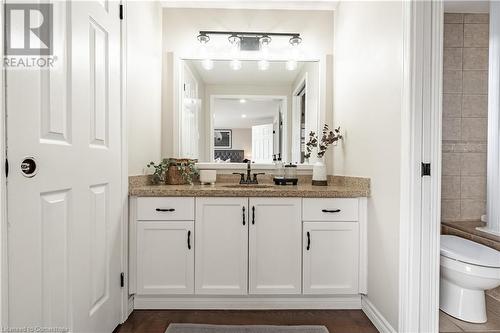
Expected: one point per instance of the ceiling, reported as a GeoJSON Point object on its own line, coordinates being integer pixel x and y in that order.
{"type": "Point", "coordinates": [248, 74]}
{"type": "Point", "coordinates": [258, 111]}
{"type": "Point", "coordinates": [254, 4]}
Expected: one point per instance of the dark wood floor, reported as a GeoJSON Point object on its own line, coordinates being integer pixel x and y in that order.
{"type": "Point", "coordinates": [337, 321]}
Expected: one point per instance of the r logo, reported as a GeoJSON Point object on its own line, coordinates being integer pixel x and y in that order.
{"type": "Point", "coordinates": [28, 29]}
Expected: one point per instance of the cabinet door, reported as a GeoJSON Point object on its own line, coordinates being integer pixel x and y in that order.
{"type": "Point", "coordinates": [331, 257]}
{"type": "Point", "coordinates": [275, 246]}
{"type": "Point", "coordinates": [165, 257]}
{"type": "Point", "coordinates": [221, 246]}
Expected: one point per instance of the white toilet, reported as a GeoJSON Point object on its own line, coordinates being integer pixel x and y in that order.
{"type": "Point", "coordinates": [467, 270]}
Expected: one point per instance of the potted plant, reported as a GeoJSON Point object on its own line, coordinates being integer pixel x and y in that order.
{"type": "Point", "coordinates": [174, 171]}
{"type": "Point", "coordinates": [328, 138]}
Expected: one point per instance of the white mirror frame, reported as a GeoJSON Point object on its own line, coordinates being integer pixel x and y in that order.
{"type": "Point", "coordinates": [177, 107]}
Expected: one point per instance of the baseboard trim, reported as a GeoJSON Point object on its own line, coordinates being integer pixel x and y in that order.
{"type": "Point", "coordinates": [375, 316]}
{"type": "Point", "coordinates": [247, 303]}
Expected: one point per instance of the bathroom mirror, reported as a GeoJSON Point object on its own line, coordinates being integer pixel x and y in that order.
{"type": "Point", "coordinates": [235, 111]}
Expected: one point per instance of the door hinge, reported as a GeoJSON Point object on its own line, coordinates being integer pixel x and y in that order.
{"type": "Point", "coordinates": [426, 169]}
{"type": "Point", "coordinates": [6, 168]}
{"type": "Point", "coordinates": [122, 279]}
{"type": "Point", "coordinates": [120, 11]}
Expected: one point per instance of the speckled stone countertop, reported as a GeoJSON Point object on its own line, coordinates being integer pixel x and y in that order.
{"type": "Point", "coordinates": [338, 187]}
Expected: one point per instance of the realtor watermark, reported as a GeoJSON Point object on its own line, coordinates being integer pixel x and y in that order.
{"type": "Point", "coordinates": [29, 36]}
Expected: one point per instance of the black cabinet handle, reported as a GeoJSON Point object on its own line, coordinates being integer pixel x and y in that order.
{"type": "Point", "coordinates": [308, 241]}
{"type": "Point", "coordinates": [253, 214]}
{"type": "Point", "coordinates": [189, 239]}
{"type": "Point", "coordinates": [165, 209]}
{"type": "Point", "coordinates": [243, 208]}
{"type": "Point", "coordinates": [331, 210]}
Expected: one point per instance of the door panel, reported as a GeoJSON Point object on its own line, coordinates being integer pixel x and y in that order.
{"type": "Point", "coordinates": [275, 246]}
{"type": "Point", "coordinates": [165, 261]}
{"type": "Point", "coordinates": [222, 246]}
{"type": "Point", "coordinates": [331, 257]}
{"type": "Point", "coordinates": [64, 233]}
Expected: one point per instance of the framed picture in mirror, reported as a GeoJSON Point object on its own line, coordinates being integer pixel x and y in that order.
{"type": "Point", "coordinates": [223, 138]}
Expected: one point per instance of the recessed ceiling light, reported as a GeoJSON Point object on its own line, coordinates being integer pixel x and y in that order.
{"type": "Point", "coordinates": [243, 101]}
{"type": "Point", "coordinates": [243, 116]}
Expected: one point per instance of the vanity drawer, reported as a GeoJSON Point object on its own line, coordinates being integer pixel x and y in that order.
{"type": "Point", "coordinates": [165, 209]}
{"type": "Point", "coordinates": [319, 209]}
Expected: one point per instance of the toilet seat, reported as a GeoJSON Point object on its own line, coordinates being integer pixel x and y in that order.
{"type": "Point", "coordinates": [469, 252]}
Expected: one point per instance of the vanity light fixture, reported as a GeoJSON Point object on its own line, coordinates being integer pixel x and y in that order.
{"type": "Point", "coordinates": [252, 41]}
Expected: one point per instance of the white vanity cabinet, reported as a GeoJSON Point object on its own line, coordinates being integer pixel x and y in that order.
{"type": "Point", "coordinates": [221, 228]}
{"type": "Point", "coordinates": [275, 246]}
{"type": "Point", "coordinates": [247, 252]}
{"type": "Point", "coordinates": [164, 244]}
{"type": "Point", "coordinates": [334, 246]}
{"type": "Point", "coordinates": [165, 260]}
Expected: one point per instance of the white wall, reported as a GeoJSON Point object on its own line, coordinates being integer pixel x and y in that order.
{"type": "Point", "coordinates": [367, 104]}
{"type": "Point", "coordinates": [181, 26]}
{"type": "Point", "coordinates": [143, 90]}
{"type": "Point", "coordinates": [242, 139]}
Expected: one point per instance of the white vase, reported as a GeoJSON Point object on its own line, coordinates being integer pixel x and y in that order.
{"type": "Point", "coordinates": [319, 173]}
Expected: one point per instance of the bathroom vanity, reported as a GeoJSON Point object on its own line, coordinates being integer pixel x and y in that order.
{"type": "Point", "coordinates": [237, 247]}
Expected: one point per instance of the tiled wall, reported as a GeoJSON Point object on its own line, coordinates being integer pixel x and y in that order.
{"type": "Point", "coordinates": [465, 112]}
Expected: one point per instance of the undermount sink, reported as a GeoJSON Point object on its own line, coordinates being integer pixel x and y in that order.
{"type": "Point", "coordinates": [248, 186]}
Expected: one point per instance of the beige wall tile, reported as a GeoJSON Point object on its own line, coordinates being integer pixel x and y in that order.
{"type": "Point", "coordinates": [452, 58]}
{"type": "Point", "coordinates": [473, 106]}
{"type": "Point", "coordinates": [473, 187]}
{"type": "Point", "coordinates": [476, 18]}
{"type": "Point", "coordinates": [452, 128]}
{"type": "Point", "coordinates": [453, 18]}
{"type": "Point", "coordinates": [452, 105]}
{"type": "Point", "coordinates": [476, 35]}
{"type": "Point", "coordinates": [474, 129]}
{"type": "Point", "coordinates": [453, 35]}
{"type": "Point", "coordinates": [473, 164]}
{"type": "Point", "coordinates": [473, 58]}
{"type": "Point", "coordinates": [452, 81]}
{"type": "Point", "coordinates": [451, 164]}
{"type": "Point", "coordinates": [450, 187]}
{"type": "Point", "coordinates": [472, 209]}
{"type": "Point", "coordinates": [475, 82]}
{"type": "Point", "coordinates": [450, 209]}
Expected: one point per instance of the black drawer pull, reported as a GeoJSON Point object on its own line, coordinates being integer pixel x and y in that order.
{"type": "Point", "coordinates": [243, 208]}
{"type": "Point", "coordinates": [308, 241]}
{"type": "Point", "coordinates": [331, 210]}
{"type": "Point", "coordinates": [253, 214]}
{"type": "Point", "coordinates": [165, 209]}
{"type": "Point", "coordinates": [189, 240]}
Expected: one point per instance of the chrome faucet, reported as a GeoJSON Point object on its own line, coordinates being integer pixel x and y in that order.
{"type": "Point", "coordinates": [249, 179]}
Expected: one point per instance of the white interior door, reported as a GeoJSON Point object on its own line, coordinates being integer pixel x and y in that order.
{"type": "Point", "coordinates": [64, 233]}
{"type": "Point", "coordinates": [191, 105]}
{"type": "Point", "coordinates": [262, 143]}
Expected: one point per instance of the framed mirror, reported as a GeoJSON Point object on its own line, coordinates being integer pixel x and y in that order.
{"type": "Point", "coordinates": [234, 114]}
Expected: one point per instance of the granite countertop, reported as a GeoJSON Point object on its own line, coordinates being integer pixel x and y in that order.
{"type": "Point", "coordinates": [339, 187]}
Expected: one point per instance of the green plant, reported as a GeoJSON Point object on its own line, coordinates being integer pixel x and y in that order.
{"type": "Point", "coordinates": [159, 171]}
{"type": "Point", "coordinates": [187, 170]}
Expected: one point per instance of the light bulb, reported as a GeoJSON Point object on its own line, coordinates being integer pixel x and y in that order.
{"type": "Point", "coordinates": [235, 65]}
{"type": "Point", "coordinates": [207, 64]}
{"type": "Point", "coordinates": [243, 101]}
{"type": "Point", "coordinates": [263, 65]}
{"type": "Point", "coordinates": [291, 65]}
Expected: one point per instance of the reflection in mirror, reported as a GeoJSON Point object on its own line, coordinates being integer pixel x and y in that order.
{"type": "Point", "coordinates": [232, 116]}
{"type": "Point", "coordinates": [248, 128]}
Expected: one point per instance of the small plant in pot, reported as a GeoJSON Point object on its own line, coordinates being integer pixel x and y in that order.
{"type": "Point", "coordinates": [328, 138]}
{"type": "Point", "coordinates": [174, 171]}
